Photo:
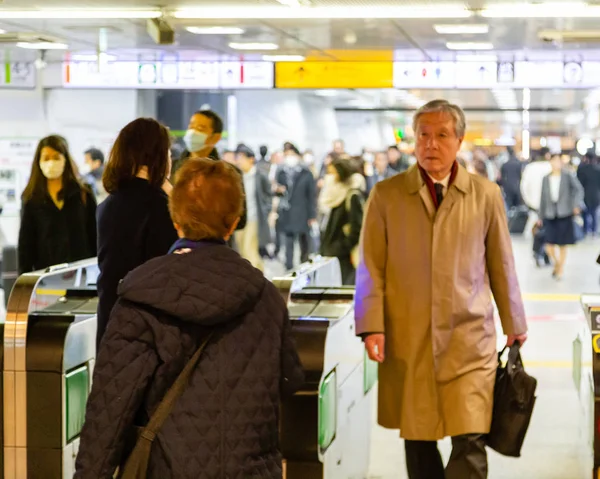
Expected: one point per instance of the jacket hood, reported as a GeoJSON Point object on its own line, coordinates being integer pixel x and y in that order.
{"type": "Point", "coordinates": [210, 285]}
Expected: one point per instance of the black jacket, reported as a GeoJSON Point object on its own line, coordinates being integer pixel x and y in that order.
{"type": "Point", "coordinates": [49, 236]}
{"type": "Point", "coordinates": [589, 177]}
{"type": "Point", "coordinates": [511, 173]}
{"type": "Point", "coordinates": [298, 205]}
{"type": "Point", "coordinates": [134, 225]}
{"type": "Point", "coordinates": [334, 241]}
{"type": "Point", "coordinates": [225, 424]}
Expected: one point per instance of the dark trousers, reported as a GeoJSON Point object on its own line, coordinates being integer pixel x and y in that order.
{"type": "Point", "coordinates": [290, 241]}
{"type": "Point", "coordinates": [589, 219]}
{"type": "Point", "coordinates": [467, 461]}
{"type": "Point", "coordinates": [512, 198]}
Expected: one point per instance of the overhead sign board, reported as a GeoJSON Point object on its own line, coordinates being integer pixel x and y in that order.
{"type": "Point", "coordinates": [483, 75]}
{"type": "Point", "coordinates": [334, 75]}
{"type": "Point", "coordinates": [18, 75]}
{"type": "Point", "coordinates": [428, 74]}
{"type": "Point", "coordinates": [169, 74]}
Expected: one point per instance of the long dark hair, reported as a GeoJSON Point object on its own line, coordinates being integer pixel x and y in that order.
{"type": "Point", "coordinates": [143, 142]}
{"type": "Point", "coordinates": [37, 188]}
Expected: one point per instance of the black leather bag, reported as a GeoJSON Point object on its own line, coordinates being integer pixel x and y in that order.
{"type": "Point", "coordinates": [514, 398]}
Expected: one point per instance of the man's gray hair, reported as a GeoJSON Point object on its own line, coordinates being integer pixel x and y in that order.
{"type": "Point", "coordinates": [443, 106]}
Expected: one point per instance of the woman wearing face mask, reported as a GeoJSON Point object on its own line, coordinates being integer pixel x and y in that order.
{"type": "Point", "coordinates": [341, 210]}
{"type": "Point", "coordinates": [134, 224]}
{"type": "Point", "coordinates": [297, 207]}
{"type": "Point", "coordinates": [58, 217]}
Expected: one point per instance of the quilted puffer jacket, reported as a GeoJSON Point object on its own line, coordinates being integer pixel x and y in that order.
{"type": "Point", "coordinates": [225, 424]}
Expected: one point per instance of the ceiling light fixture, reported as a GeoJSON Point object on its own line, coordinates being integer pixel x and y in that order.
{"type": "Point", "coordinates": [469, 46]}
{"type": "Point", "coordinates": [542, 10]}
{"type": "Point", "coordinates": [283, 58]}
{"type": "Point", "coordinates": [92, 57]}
{"type": "Point", "coordinates": [79, 14]}
{"type": "Point", "coordinates": [326, 93]}
{"type": "Point", "coordinates": [461, 29]}
{"type": "Point", "coordinates": [43, 45]}
{"type": "Point", "coordinates": [215, 30]}
{"type": "Point", "coordinates": [340, 13]}
{"type": "Point", "coordinates": [291, 3]}
{"type": "Point", "coordinates": [253, 46]}
{"type": "Point", "coordinates": [2, 32]}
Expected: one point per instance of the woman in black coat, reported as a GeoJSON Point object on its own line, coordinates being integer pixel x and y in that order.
{"type": "Point", "coordinates": [134, 224]}
{"type": "Point", "coordinates": [226, 421]}
{"type": "Point", "coordinates": [58, 216]}
{"type": "Point", "coordinates": [341, 207]}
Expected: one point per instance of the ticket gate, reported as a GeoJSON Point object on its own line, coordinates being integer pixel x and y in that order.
{"type": "Point", "coordinates": [326, 427]}
{"type": "Point", "coordinates": [47, 361]}
{"type": "Point", "coordinates": [586, 376]}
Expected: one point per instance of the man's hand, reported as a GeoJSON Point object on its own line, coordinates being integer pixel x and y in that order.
{"type": "Point", "coordinates": [577, 211]}
{"type": "Point", "coordinates": [516, 337]}
{"type": "Point", "coordinates": [375, 344]}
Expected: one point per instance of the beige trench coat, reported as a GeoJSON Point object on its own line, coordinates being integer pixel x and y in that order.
{"type": "Point", "coordinates": [426, 280]}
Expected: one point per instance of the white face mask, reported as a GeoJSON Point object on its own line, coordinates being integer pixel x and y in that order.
{"type": "Point", "coordinates": [291, 161]}
{"type": "Point", "coordinates": [369, 157]}
{"type": "Point", "coordinates": [309, 159]}
{"type": "Point", "coordinates": [85, 169]}
{"type": "Point", "coordinates": [53, 169]}
{"type": "Point", "coordinates": [195, 140]}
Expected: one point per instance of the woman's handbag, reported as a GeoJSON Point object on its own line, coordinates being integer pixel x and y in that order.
{"type": "Point", "coordinates": [136, 465]}
{"type": "Point", "coordinates": [514, 398]}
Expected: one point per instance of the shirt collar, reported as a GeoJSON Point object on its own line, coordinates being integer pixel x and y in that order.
{"type": "Point", "coordinates": [445, 182]}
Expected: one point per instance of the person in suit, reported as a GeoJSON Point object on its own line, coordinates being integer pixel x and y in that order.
{"type": "Point", "coordinates": [588, 175]}
{"type": "Point", "coordinates": [297, 205]}
{"type": "Point", "coordinates": [562, 197]}
{"type": "Point", "coordinates": [435, 246]}
{"type": "Point", "coordinates": [510, 177]}
{"type": "Point", "coordinates": [256, 235]}
{"type": "Point", "coordinates": [381, 171]}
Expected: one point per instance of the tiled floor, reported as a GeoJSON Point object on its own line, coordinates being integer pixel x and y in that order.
{"type": "Point", "coordinates": [555, 446]}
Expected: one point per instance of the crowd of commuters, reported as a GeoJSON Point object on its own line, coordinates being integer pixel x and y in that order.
{"type": "Point", "coordinates": [171, 234]}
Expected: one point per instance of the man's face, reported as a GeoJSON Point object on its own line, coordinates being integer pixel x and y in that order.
{"type": "Point", "coordinates": [436, 143]}
{"type": "Point", "coordinates": [204, 124]}
{"type": "Point", "coordinates": [338, 147]}
{"type": "Point", "coordinates": [381, 162]}
{"type": "Point", "coordinates": [393, 156]}
{"type": "Point", "coordinates": [88, 161]}
{"type": "Point", "coordinates": [244, 162]}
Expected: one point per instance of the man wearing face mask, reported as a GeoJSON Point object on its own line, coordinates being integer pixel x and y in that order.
{"type": "Point", "coordinates": [297, 207]}
{"type": "Point", "coordinates": [203, 134]}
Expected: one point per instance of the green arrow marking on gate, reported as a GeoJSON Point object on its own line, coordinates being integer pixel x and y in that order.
{"type": "Point", "coordinates": [7, 73]}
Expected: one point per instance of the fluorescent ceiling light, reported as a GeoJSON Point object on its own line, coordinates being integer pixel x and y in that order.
{"type": "Point", "coordinates": [215, 30]}
{"type": "Point", "coordinates": [526, 117]}
{"type": "Point", "coordinates": [465, 57]}
{"type": "Point", "coordinates": [283, 58]}
{"type": "Point", "coordinates": [461, 29]}
{"type": "Point", "coordinates": [253, 46]}
{"type": "Point", "coordinates": [2, 32]}
{"type": "Point", "coordinates": [43, 45]}
{"type": "Point", "coordinates": [275, 13]}
{"type": "Point", "coordinates": [469, 46]}
{"type": "Point", "coordinates": [291, 3]}
{"type": "Point", "coordinates": [79, 14]}
{"type": "Point", "coordinates": [541, 10]}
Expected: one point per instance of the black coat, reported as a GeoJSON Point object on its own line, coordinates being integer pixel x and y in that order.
{"type": "Point", "coordinates": [264, 203]}
{"type": "Point", "coordinates": [134, 225]}
{"type": "Point", "coordinates": [298, 204]}
{"type": "Point", "coordinates": [51, 236]}
{"type": "Point", "coordinates": [226, 422]}
{"type": "Point", "coordinates": [589, 177]}
{"type": "Point", "coordinates": [511, 173]}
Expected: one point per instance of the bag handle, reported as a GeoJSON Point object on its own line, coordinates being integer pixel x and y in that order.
{"type": "Point", "coordinates": [514, 357]}
{"type": "Point", "coordinates": [166, 405]}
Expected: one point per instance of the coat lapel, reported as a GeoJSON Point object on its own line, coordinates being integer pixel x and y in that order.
{"type": "Point", "coordinates": [460, 186]}
{"type": "Point", "coordinates": [417, 185]}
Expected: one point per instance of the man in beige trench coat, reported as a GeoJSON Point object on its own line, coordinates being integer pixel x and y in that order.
{"type": "Point", "coordinates": [435, 246]}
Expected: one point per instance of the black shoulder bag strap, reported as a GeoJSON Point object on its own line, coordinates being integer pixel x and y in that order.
{"type": "Point", "coordinates": [136, 465]}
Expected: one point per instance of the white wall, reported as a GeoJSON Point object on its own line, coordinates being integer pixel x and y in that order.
{"type": "Point", "coordinates": [364, 130]}
{"type": "Point", "coordinates": [89, 118]}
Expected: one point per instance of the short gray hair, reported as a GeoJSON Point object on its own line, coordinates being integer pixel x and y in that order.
{"type": "Point", "coordinates": [443, 106]}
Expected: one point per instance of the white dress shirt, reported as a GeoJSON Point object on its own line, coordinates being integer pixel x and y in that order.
{"type": "Point", "coordinates": [445, 183]}
{"type": "Point", "coordinates": [555, 187]}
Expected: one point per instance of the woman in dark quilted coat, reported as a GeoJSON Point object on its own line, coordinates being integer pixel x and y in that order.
{"type": "Point", "coordinates": [225, 424]}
